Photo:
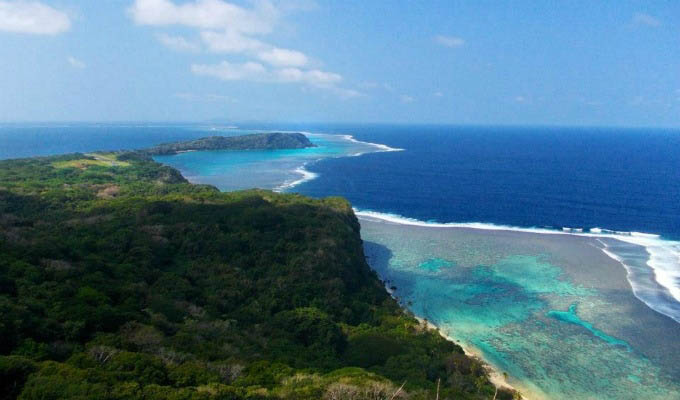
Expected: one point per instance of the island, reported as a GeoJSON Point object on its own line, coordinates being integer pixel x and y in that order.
{"type": "Point", "coordinates": [119, 279]}
{"type": "Point", "coordinates": [257, 141]}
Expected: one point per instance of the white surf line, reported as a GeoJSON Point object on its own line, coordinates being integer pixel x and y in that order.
{"type": "Point", "coordinates": [664, 255]}
{"type": "Point", "coordinates": [641, 289]}
{"type": "Point", "coordinates": [382, 147]}
{"type": "Point", "coordinates": [307, 175]}
{"type": "Point", "coordinates": [349, 137]}
{"type": "Point", "coordinates": [664, 260]}
{"type": "Point", "coordinates": [398, 219]}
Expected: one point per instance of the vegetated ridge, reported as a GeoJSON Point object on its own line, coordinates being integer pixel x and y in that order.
{"type": "Point", "coordinates": [121, 280]}
{"type": "Point", "coordinates": [256, 141]}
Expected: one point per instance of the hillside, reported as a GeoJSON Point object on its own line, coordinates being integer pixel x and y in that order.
{"type": "Point", "coordinates": [120, 280]}
{"type": "Point", "coordinates": [257, 141]}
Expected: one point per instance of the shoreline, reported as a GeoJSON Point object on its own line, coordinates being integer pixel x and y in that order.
{"type": "Point", "coordinates": [496, 376]}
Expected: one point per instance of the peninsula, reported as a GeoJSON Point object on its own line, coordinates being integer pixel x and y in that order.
{"type": "Point", "coordinates": [121, 280]}
{"type": "Point", "coordinates": [257, 141]}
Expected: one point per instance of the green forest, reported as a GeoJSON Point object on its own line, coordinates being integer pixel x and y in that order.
{"type": "Point", "coordinates": [121, 280]}
{"type": "Point", "coordinates": [268, 141]}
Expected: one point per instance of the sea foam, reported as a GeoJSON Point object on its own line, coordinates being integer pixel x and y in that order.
{"type": "Point", "coordinates": [663, 260]}
{"type": "Point", "coordinates": [379, 146]}
{"type": "Point", "coordinates": [306, 175]}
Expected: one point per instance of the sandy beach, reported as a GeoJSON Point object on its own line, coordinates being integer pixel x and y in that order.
{"type": "Point", "coordinates": [497, 377]}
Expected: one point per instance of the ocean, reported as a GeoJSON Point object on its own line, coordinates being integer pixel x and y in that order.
{"type": "Point", "coordinates": [620, 179]}
{"type": "Point", "coordinates": [552, 253]}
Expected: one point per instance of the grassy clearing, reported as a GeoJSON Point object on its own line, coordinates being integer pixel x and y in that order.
{"type": "Point", "coordinates": [98, 159]}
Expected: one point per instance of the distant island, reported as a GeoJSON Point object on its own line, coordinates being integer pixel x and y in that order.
{"type": "Point", "coordinates": [257, 141]}
{"type": "Point", "coordinates": [119, 279]}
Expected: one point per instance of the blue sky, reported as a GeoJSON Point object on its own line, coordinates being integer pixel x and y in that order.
{"type": "Point", "coordinates": [462, 62]}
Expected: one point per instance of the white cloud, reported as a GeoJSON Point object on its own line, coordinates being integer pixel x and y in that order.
{"type": "Point", "coordinates": [32, 17]}
{"type": "Point", "coordinates": [646, 19]}
{"type": "Point", "coordinates": [206, 14]}
{"type": "Point", "coordinates": [438, 94]}
{"type": "Point", "coordinates": [256, 72]}
{"type": "Point", "coordinates": [404, 98]}
{"type": "Point", "coordinates": [248, 71]}
{"type": "Point", "coordinates": [449, 41]}
{"type": "Point", "coordinates": [228, 28]}
{"type": "Point", "coordinates": [230, 42]}
{"type": "Point", "coordinates": [76, 63]}
{"type": "Point", "coordinates": [253, 71]}
{"type": "Point", "coordinates": [178, 43]}
{"type": "Point", "coordinates": [283, 57]}
{"type": "Point", "coordinates": [224, 27]}
{"type": "Point", "coordinates": [311, 77]}
{"type": "Point", "coordinates": [234, 42]}
{"type": "Point", "coordinates": [520, 99]}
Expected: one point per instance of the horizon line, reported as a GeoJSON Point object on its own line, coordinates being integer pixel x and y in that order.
{"type": "Point", "coordinates": [386, 123]}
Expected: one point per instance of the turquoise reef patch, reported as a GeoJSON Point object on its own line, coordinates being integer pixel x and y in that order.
{"type": "Point", "coordinates": [570, 317]}
{"type": "Point", "coordinates": [435, 264]}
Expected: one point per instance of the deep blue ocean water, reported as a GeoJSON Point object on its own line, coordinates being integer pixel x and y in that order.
{"type": "Point", "coordinates": [28, 140]}
{"type": "Point", "coordinates": [620, 179]}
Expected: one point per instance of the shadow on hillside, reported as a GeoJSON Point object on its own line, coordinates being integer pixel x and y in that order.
{"type": "Point", "coordinates": [378, 258]}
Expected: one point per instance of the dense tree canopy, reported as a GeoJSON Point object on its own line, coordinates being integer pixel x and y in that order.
{"type": "Point", "coordinates": [120, 280]}
{"type": "Point", "coordinates": [256, 141]}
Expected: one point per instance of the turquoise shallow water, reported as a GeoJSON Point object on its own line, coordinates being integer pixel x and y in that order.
{"type": "Point", "coordinates": [553, 311]}
{"type": "Point", "coordinates": [571, 317]}
{"type": "Point", "coordinates": [265, 169]}
{"type": "Point", "coordinates": [562, 327]}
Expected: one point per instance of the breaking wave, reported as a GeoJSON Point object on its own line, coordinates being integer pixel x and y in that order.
{"type": "Point", "coordinates": [655, 280]}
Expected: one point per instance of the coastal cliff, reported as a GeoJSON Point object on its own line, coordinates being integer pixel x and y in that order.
{"type": "Point", "coordinates": [257, 141]}
{"type": "Point", "coordinates": [121, 280]}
